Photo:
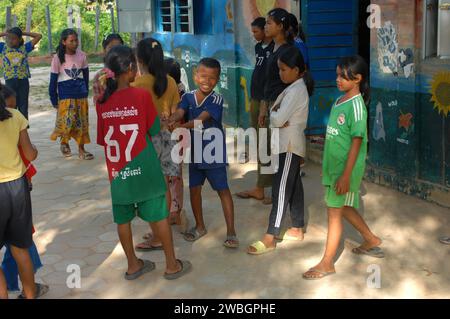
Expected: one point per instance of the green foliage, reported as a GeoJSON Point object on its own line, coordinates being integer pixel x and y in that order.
{"type": "Point", "coordinates": [58, 12]}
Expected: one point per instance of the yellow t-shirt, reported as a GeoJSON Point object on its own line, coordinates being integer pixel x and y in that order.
{"type": "Point", "coordinates": [11, 164]}
{"type": "Point", "coordinates": [171, 97]}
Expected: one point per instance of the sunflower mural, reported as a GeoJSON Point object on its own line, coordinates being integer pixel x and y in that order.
{"type": "Point", "coordinates": [440, 92]}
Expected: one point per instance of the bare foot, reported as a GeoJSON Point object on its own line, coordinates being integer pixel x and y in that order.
{"type": "Point", "coordinates": [170, 271]}
{"type": "Point", "coordinates": [257, 193]}
{"type": "Point", "coordinates": [296, 233]}
{"type": "Point", "coordinates": [132, 269]}
{"type": "Point", "coordinates": [320, 271]}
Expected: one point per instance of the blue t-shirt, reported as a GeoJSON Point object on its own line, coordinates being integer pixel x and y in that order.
{"type": "Point", "coordinates": [15, 61]}
{"type": "Point", "coordinates": [214, 155]}
{"type": "Point", "coordinates": [299, 44]}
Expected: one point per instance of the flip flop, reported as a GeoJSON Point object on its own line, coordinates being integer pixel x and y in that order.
{"type": "Point", "coordinates": [444, 240]}
{"type": "Point", "coordinates": [375, 252]}
{"type": "Point", "coordinates": [322, 274]}
{"type": "Point", "coordinates": [267, 201]}
{"type": "Point", "coordinates": [193, 234]}
{"type": "Point", "coordinates": [229, 242]}
{"type": "Point", "coordinates": [40, 291]}
{"type": "Point", "coordinates": [186, 266]}
{"type": "Point", "coordinates": [147, 267]}
{"type": "Point", "coordinates": [148, 247]}
{"type": "Point", "coordinates": [261, 249]}
{"type": "Point", "coordinates": [247, 195]}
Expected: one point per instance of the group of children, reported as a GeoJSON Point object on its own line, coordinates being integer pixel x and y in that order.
{"type": "Point", "coordinates": [140, 101]}
{"type": "Point", "coordinates": [281, 87]}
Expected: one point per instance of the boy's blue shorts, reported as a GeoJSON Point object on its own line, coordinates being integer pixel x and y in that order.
{"type": "Point", "coordinates": [217, 177]}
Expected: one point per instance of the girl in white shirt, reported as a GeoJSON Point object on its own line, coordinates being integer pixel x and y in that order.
{"type": "Point", "coordinates": [289, 115]}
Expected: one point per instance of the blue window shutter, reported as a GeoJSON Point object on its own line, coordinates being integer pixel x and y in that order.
{"type": "Point", "coordinates": [332, 33]}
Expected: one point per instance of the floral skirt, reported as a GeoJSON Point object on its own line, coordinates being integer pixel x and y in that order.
{"type": "Point", "coordinates": [72, 121]}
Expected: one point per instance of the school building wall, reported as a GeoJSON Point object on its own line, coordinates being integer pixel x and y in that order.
{"type": "Point", "coordinates": [409, 135]}
{"type": "Point", "coordinates": [409, 123]}
{"type": "Point", "coordinates": [231, 42]}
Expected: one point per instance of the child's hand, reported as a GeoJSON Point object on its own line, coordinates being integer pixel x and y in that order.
{"type": "Point", "coordinates": [342, 186]}
{"type": "Point", "coordinates": [286, 124]}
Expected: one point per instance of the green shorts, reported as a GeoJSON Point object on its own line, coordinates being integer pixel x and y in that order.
{"type": "Point", "coordinates": [151, 211]}
{"type": "Point", "coordinates": [334, 200]}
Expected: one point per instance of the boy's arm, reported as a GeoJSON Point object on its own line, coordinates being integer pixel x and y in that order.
{"type": "Point", "coordinates": [177, 116]}
{"type": "Point", "coordinates": [204, 116]}
{"type": "Point", "coordinates": [343, 184]}
{"type": "Point", "coordinates": [35, 37]}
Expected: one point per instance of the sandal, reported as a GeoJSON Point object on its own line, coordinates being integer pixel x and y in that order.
{"type": "Point", "coordinates": [86, 156]}
{"type": "Point", "coordinates": [322, 274]}
{"type": "Point", "coordinates": [193, 234]}
{"type": "Point", "coordinates": [147, 267]}
{"type": "Point", "coordinates": [65, 150]}
{"type": "Point", "coordinates": [40, 291]}
{"type": "Point", "coordinates": [186, 266]}
{"type": "Point", "coordinates": [147, 246]}
{"type": "Point", "coordinates": [231, 242]}
{"type": "Point", "coordinates": [267, 201]}
{"type": "Point", "coordinates": [375, 252]}
{"type": "Point", "coordinates": [261, 249]}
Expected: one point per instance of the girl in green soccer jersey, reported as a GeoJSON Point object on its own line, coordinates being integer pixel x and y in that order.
{"type": "Point", "coordinates": [344, 164]}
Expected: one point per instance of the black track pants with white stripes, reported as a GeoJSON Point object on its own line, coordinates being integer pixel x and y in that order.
{"type": "Point", "coordinates": [287, 190]}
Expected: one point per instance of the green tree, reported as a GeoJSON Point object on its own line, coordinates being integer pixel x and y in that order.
{"type": "Point", "coordinates": [58, 13]}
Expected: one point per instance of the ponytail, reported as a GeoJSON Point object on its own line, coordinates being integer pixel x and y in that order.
{"type": "Point", "coordinates": [111, 87]}
{"type": "Point", "coordinates": [4, 113]}
{"type": "Point", "coordinates": [150, 53]}
{"type": "Point", "coordinates": [309, 82]}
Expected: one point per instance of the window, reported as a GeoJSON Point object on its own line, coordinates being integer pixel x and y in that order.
{"type": "Point", "coordinates": [436, 41]}
{"type": "Point", "coordinates": [184, 16]}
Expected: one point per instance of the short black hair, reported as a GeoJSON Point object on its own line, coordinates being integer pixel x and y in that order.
{"type": "Point", "coordinates": [211, 63]}
{"type": "Point", "coordinates": [259, 22]}
{"type": "Point", "coordinates": [7, 92]}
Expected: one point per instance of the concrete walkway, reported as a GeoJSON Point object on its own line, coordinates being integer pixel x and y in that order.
{"type": "Point", "coordinates": [72, 215]}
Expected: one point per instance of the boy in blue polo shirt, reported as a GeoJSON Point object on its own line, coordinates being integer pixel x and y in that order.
{"type": "Point", "coordinates": [203, 110]}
